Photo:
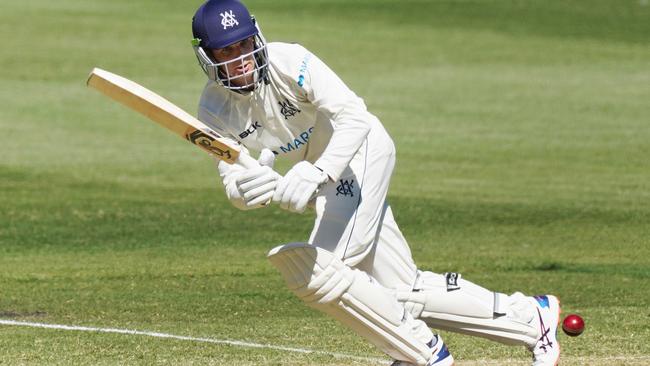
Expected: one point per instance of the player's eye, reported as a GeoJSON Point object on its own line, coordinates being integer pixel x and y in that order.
{"type": "Point", "coordinates": [225, 52]}
{"type": "Point", "coordinates": [247, 44]}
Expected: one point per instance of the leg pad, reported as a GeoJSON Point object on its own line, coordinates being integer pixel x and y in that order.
{"type": "Point", "coordinates": [451, 303]}
{"type": "Point", "coordinates": [324, 282]}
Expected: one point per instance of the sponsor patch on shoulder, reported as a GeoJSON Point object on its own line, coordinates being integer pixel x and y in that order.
{"type": "Point", "coordinates": [303, 69]}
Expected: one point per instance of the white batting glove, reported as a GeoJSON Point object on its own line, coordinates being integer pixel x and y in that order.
{"type": "Point", "coordinates": [296, 188]}
{"type": "Point", "coordinates": [257, 185]}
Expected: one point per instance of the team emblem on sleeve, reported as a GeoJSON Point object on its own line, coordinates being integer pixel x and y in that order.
{"type": "Point", "coordinates": [228, 19]}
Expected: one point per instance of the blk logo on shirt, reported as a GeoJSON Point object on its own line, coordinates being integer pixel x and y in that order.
{"type": "Point", "coordinates": [253, 127]}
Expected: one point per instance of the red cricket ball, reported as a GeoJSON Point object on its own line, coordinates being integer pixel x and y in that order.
{"type": "Point", "coordinates": [573, 325]}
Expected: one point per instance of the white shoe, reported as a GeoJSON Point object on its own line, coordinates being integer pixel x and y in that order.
{"type": "Point", "coordinates": [547, 350]}
{"type": "Point", "coordinates": [440, 354]}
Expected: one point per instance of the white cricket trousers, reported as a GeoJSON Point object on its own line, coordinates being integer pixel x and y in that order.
{"type": "Point", "coordinates": [354, 221]}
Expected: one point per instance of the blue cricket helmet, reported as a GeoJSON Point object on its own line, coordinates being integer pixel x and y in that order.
{"type": "Point", "coordinates": [218, 24]}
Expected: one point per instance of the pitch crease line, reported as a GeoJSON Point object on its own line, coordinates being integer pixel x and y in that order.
{"type": "Point", "coordinates": [187, 338]}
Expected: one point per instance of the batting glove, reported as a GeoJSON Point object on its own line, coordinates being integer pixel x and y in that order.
{"type": "Point", "coordinates": [297, 187]}
{"type": "Point", "coordinates": [252, 187]}
{"type": "Point", "coordinates": [257, 185]}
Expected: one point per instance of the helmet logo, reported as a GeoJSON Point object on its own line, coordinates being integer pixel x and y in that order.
{"type": "Point", "coordinates": [228, 19]}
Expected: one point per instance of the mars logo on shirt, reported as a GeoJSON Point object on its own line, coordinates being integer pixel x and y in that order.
{"type": "Point", "coordinates": [288, 109]}
{"type": "Point", "coordinates": [297, 142]}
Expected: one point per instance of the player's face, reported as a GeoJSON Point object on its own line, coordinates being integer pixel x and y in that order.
{"type": "Point", "coordinates": [240, 70]}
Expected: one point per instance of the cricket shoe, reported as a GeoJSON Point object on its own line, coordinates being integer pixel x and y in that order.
{"type": "Point", "coordinates": [546, 351]}
{"type": "Point", "coordinates": [441, 355]}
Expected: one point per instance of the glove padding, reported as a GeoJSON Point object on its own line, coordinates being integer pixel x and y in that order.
{"type": "Point", "coordinates": [257, 185]}
{"type": "Point", "coordinates": [297, 187]}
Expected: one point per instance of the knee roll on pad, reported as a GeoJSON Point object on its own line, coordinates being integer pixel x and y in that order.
{"type": "Point", "coordinates": [451, 303]}
{"type": "Point", "coordinates": [324, 282]}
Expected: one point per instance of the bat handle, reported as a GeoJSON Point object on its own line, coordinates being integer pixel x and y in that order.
{"type": "Point", "coordinates": [247, 161]}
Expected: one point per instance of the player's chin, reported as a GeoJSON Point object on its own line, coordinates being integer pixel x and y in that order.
{"type": "Point", "coordinates": [243, 80]}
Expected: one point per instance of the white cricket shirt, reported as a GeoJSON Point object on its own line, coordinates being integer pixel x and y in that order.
{"type": "Point", "coordinates": [305, 112]}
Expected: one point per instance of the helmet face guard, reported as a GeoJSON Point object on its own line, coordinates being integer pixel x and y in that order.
{"type": "Point", "coordinates": [219, 71]}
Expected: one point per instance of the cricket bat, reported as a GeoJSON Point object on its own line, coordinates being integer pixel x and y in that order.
{"type": "Point", "coordinates": [168, 115]}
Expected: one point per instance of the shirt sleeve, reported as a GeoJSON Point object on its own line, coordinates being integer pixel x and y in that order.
{"type": "Point", "coordinates": [348, 113]}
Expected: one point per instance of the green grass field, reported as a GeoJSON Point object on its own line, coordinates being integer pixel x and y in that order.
{"type": "Point", "coordinates": [522, 129]}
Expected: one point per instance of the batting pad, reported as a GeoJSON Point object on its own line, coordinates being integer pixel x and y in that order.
{"type": "Point", "coordinates": [451, 303]}
{"type": "Point", "coordinates": [325, 283]}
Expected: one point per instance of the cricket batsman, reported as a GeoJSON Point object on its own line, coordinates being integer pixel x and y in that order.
{"type": "Point", "coordinates": [281, 100]}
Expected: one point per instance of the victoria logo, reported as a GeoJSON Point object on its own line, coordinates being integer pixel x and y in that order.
{"type": "Point", "coordinates": [228, 19]}
{"type": "Point", "coordinates": [345, 188]}
{"type": "Point", "coordinates": [288, 109]}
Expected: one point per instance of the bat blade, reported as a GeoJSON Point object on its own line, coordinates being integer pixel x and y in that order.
{"type": "Point", "coordinates": [167, 114]}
